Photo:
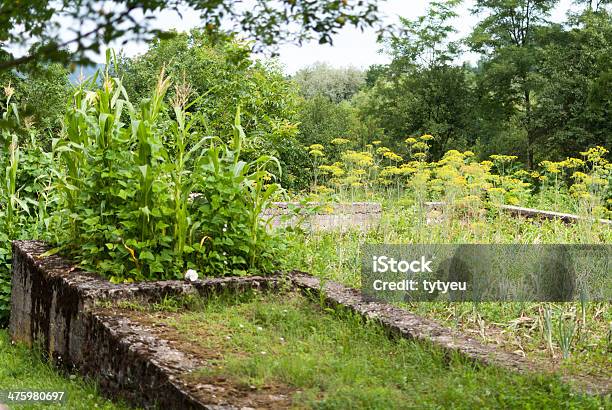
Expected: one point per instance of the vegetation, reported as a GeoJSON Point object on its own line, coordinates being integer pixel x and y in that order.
{"type": "Point", "coordinates": [163, 163]}
{"type": "Point", "coordinates": [149, 198]}
{"type": "Point", "coordinates": [23, 369]}
{"type": "Point", "coordinates": [578, 331]}
{"type": "Point", "coordinates": [576, 184]}
{"type": "Point", "coordinates": [221, 77]}
{"type": "Point", "coordinates": [537, 91]}
{"type": "Point", "coordinates": [35, 25]}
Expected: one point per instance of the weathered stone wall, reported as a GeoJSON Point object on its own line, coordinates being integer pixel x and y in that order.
{"type": "Point", "coordinates": [55, 306]}
{"type": "Point", "coordinates": [58, 306]}
{"type": "Point", "coordinates": [521, 212]}
{"type": "Point", "coordinates": [356, 215]}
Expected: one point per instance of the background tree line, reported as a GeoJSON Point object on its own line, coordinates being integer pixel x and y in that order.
{"type": "Point", "coordinates": [540, 90]}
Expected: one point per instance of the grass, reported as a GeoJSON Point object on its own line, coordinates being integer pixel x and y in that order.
{"type": "Point", "coordinates": [21, 368]}
{"type": "Point", "coordinates": [332, 360]}
{"type": "Point", "coordinates": [517, 327]}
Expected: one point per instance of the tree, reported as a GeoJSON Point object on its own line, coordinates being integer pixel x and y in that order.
{"type": "Point", "coordinates": [507, 38]}
{"type": "Point", "coordinates": [92, 23]}
{"type": "Point", "coordinates": [420, 91]}
{"type": "Point", "coordinates": [574, 101]}
{"type": "Point", "coordinates": [337, 84]}
{"type": "Point", "coordinates": [40, 92]}
{"type": "Point", "coordinates": [425, 41]}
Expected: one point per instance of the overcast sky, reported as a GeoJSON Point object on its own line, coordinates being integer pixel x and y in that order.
{"type": "Point", "coordinates": [351, 47]}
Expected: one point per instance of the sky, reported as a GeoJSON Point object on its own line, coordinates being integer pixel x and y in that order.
{"type": "Point", "coordinates": [351, 47]}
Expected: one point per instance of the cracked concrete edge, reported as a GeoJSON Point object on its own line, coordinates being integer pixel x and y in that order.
{"type": "Point", "coordinates": [55, 305]}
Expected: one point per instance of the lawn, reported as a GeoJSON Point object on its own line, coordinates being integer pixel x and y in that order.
{"type": "Point", "coordinates": [20, 368]}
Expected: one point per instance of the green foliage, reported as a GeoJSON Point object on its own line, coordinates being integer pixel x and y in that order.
{"type": "Point", "coordinates": [420, 91]}
{"type": "Point", "coordinates": [23, 369]}
{"type": "Point", "coordinates": [226, 74]}
{"type": "Point", "coordinates": [94, 25]}
{"type": "Point", "coordinates": [574, 102]}
{"type": "Point", "coordinates": [23, 199]}
{"type": "Point", "coordinates": [126, 188]}
{"type": "Point", "coordinates": [309, 350]}
{"type": "Point", "coordinates": [40, 93]}
{"type": "Point", "coordinates": [337, 84]}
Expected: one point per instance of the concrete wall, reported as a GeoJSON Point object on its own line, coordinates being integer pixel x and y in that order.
{"type": "Point", "coordinates": [54, 306]}
{"type": "Point", "coordinates": [356, 215]}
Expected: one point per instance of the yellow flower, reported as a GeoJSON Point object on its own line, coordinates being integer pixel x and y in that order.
{"type": "Point", "coordinates": [390, 171]}
{"type": "Point", "coordinates": [503, 158]}
{"type": "Point", "coordinates": [426, 137]}
{"type": "Point", "coordinates": [487, 164]}
{"type": "Point", "coordinates": [420, 146]}
{"type": "Point", "coordinates": [521, 173]}
{"type": "Point", "coordinates": [551, 167]}
{"type": "Point", "coordinates": [512, 200]}
{"type": "Point", "coordinates": [316, 153]}
{"type": "Point", "coordinates": [392, 156]}
{"type": "Point", "coordinates": [595, 153]}
{"type": "Point", "coordinates": [362, 159]}
{"type": "Point", "coordinates": [376, 142]}
{"type": "Point", "coordinates": [340, 141]}
{"type": "Point", "coordinates": [334, 170]}
{"type": "Point", "coordinates": [572, 163]}
{"type": "Point", "coordinates": [411, 141]}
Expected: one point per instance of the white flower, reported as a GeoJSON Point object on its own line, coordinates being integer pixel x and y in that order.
{"type": "Point", "coordinates": [191, 275]}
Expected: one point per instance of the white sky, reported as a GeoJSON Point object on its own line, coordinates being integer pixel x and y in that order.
{"type": "Point", "coordinates": [351, 47]}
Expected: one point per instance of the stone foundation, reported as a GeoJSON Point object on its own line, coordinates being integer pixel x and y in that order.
{"type": "Point", "coordinates": [518, 211]}
{"type": "Point", "coordinates": [58, 307]}
{"type": "Point", "coordinates": [356, 215]}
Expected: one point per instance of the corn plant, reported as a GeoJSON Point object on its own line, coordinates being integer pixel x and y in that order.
{"type": "Point", "coordinates": [127, 174]}
{"type": "Point", "coordinates": [16, 219]}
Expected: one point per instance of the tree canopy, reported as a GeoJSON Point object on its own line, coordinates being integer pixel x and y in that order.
{"type": "Point", "coordinates": [69, 31]}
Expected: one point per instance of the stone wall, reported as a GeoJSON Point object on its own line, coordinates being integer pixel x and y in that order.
{"type": "Point", "coordinates": [54, 306]}
{"type": "Point", "coordinates": [318, 216]}
{"type": "Point", "coordinates": [57, 306]}
{"type": "Point", "coordinates": [518, 211]}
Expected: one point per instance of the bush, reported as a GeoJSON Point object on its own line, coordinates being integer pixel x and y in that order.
{"type": "Point", "coordinates": [23, 198]}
